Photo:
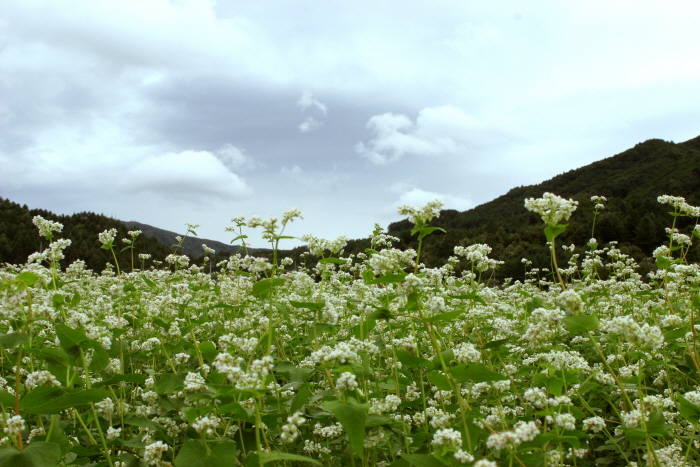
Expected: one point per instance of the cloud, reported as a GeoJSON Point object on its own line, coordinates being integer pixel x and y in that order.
{"type": "Point", "coordinates": [438, 131]}
{"type": "Point", "coordinates": [235, 159]}
{"type": "Point", "coordinates": [185, 175]}
{"type": "Point", "coordinates": [308, 104]}
{"type": "Point", "coordinates": [418, 197]}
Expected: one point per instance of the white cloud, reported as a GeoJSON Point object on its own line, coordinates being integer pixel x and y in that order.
{"type": "Point", "coordinates": [438, 131]}
{"type": "Point", "coordinates": [307, 103]}
{"type": "Point", "coordinates": [418, 198]}
{"type": "Point", "coordinates": [186, 175]}
{"type": "Point", "coordinates": [309, 124]}
{"type": "Point", "coordinates": [235, 159]}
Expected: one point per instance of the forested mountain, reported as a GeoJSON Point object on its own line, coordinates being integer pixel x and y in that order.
{"type": "Point", "coordinates": [631, 181]}
{"type": "Point", "coordinates": [19, 238]}
{"type": "Point", "coordinates": [191, 246]}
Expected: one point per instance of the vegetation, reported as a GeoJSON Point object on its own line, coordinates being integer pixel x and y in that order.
{"type": "Point", "coordinates": [370, 359]}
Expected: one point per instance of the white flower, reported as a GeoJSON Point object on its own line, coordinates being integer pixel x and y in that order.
{"type": "Point", "coordinates": [551, 208]}
{"type": "Point", "coordinates": [194, 382]}
{"type": "Point", "coordinates": [107, 237]}
{"type": "Point", "coordinates": [448, 437]}
{"type": "Point", "coordinates": [594, 424]}
{"type": "Point", "coordinates": [14, 426]}
{"type": "Point", "coordinates": [424, 214]}
{"type": "Point", "coordinates": [46, 227]}
{"type": "Point", "coordinates": [153, 452]}
{"type": "Point", "coordinates": [347, 381]}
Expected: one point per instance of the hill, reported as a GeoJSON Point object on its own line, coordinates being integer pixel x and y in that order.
{"type": "Point", "coordinates": [631, 181]}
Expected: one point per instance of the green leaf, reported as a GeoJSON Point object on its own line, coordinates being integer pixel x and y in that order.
{"type": "Point", "coordinates": [332, 261]}
{"type": "Point", "coordinates": [43, 400]}
{"type": "Point", "coordinates": [475, 372]}
{"type": "Point", "coordinates": [137, 378]}
{"type": "Point", "coordinates": [10, 341]}
{"type": "Point", "coordinates": [69, 337]}
{"type": "Point", "coordinates": [391, 278]}
{"type": "Point", "coordinates": [170, 382]}
{"type": "Point", "coordinates": [148, 282]}
{"type": "Point", "coordinates": [470, 296]}
{"type": "Point", "coordinates": [411, 361]}
{"type": "Point", "coordinates": [27, 278]}
{"type": "Point", "coordinates": [262, 289]}
{"type": "Point", "coordinates": [690, 411]}
{"type": "Point", "coordinates": [352, 417]}
{"type": "Point", "coordinates": [553, 231]}
{"type": "Point", "coordinates": [307, 305]}
{"type": "Point", "coordinates": [144, 423]}
{"type": "Point", "coordinates": [449, 316]}
{"type": "Point", "coordinates": [208, 350]}
{"type": "Point", "coordinates": [422, 460]}
{"type": "Point", "coordinates": [662, 262]}
{"type": "Point", "coordinates": [267, 457]}
{"type": "Point", "coordinates": [193, 454]}
{"type": "Point", "coordinates": [36, 454]}
{"type": "Point", "coordinates": [579, 324]}
{"type": "Point", "coordinates": [440, 381]}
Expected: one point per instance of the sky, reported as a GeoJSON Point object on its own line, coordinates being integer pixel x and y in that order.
{"type": "Point", "coordinates": [198, 111]}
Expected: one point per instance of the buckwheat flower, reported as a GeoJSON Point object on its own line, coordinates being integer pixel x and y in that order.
{"type": "Point", "coordinates": [46, 227]}
{"type": "Point", "coordinates": [194, 382]}
{"type": "Point", "coordinates": [632, 419]}
{"type": "Point", "coordinates": [207, 250]}
{"type": "Point", "coordinates": [144, 256]}
{"type": "Point", "coordinates": [107, 237]}
{"type": "Point", "coordinates": [466, 352]}
{"type": "Point", "coordinates": [552, 208]}
{"type": "Point", "coordinates": [41, 378]}
{"type": "Point", "coordinates": [463, 456]}
{"type": "Point", "coordinates": [153, 452]}
{"type": "Point", "coordinates": [206, 424]}
{"type": "Point", "coordinates": [485, 463]}
{"type": "Point", "coordinates": [178, 260]}
{"type": "Point", "coordinates": [536, 396]}
{"type": "Point", "coordinates": [565, 421]}
{"type": "Point", "coordinates": [14, 426]}
{"type": "Point", "coordinates": [347, 381]}
{"type": "Point", "coordinates": [113, 433]}
{"type": "Point", "coordinates": [693, 397]}
{"type": "Point", "coordinates": [422, 215]}
{"type": "Point", "coordinates": [594, 424]}
{"type": "Point", "coordinates": [448, 437]}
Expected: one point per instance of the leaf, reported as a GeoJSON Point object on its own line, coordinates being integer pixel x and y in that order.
{"type": "Point", "coordinates": [307, 305]}
{"type": "Point", "coordinates": [470, 296]}
{"type": "Point", "coordinates": [411, 361]}
{"type": "Point", "coordinates": [27, 278]}
{"type": "Point", "coordinates": [43, 400]}
{"type": "Point", "coordinates": [148, 282]}
{"type": "Point", "coordinates": [391, 278]}
{"type": "Point", "coordinates": [69, 337]}
{"type": "Point", "coordinates": [193, 454]}
{"type": "Point", "coordinates": [352, 417]}
{"type": "Point", "coordinates": [449, 316]}
{"type": "Point", "coordinates": [440, 381]}
{"type": "Point", "coordinates": [137, 378]}
{"type": "Point", "coordinates": [422, 460]}
{"type": "Point", "coordinates": [662, 262]}
{"type": "Point", "coordinates": [475, 372]}
{"type": "Point", "coordinates": [208, 350]}
{"type": "Point", "coordinates": [332, 261]}
{"type": "Point", "coordinates": [36, 454]}
{"type": "Point", "coordinates": [553, 231]}
{"type": "Point", "coordinates": [262, 289]}
{"type": "Point", "coordinates": [579, 324]}
{"type": "Point", "coordinates": [170, 382]}
{"type": "Point", "coordinates": [10, 341]}
{"type": "Point", "coordinates": [267, 457]}
{"type": "Point", "coordinates": [144, 423]}
{"type": "Point", "coordinates": [690, 411]}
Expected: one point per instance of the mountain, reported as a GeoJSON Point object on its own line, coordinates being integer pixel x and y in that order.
{"type": "Point", "coordinates": [191, 246]}
{"type": "Point", "coordinates": [631, 181]}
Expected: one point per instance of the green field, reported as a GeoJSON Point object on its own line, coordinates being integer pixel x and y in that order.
{"type": "Point", "coordinates": [364, 360]}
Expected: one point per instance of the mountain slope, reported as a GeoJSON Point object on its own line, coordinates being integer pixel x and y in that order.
{"type": "Point", "coordinates": [631, 180]}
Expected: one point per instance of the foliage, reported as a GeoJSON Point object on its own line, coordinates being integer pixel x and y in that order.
{"type": "Point", "coordinates": [370, 359]}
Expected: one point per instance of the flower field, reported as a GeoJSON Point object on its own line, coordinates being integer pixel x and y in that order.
{"type": "Point", "coordinates": [372, 360]}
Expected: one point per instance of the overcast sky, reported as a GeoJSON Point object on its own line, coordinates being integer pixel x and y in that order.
{"type": "Point", "coordinates": [167, 112]}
